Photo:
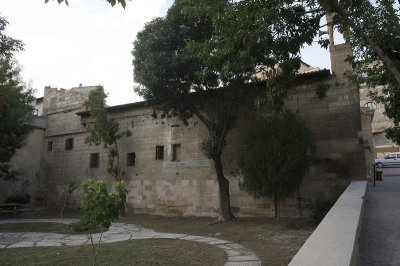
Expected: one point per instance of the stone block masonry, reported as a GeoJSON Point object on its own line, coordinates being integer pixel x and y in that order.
{"type": "Point", "coordinates": [170, 175]}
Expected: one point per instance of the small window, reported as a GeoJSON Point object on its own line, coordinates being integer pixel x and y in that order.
{"type": "Point", "coordinates": [94, 160]}
{"type": "Point", "coordinates": [49, 146]}
{"type": "Point", "coordinates": [159, 152]}
{"type": "Point", "coordinates": [131, 159]}
{"type": "Point", "coordinates": [132, 124]}
{"type": "Point", "coordinates": [176, 152]}
{"type": "Point", "coordinates": [69, 144]}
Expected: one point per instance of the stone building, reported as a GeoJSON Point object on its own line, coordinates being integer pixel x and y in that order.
{"type": "Point", "coordinates": [166, 172]}
{"type": "Point", "coordinates": [380, 123]}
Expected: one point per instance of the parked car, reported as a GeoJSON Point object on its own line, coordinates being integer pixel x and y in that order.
{"type": "Point", "coordinates": [392, 159]}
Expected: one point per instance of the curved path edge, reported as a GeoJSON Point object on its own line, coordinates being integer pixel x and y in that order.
{"type": "Point", "coordinates": [237, 254]}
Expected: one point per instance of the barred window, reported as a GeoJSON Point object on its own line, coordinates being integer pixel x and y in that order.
{"type": "Point", "coordinates": [49, 146]}
{"type": "Point", "coordinates": [69, 144]}
{"type": "Point", "coordinates": [131, 159]}
{"type": "Point", "coordinates": [94, 160]}
{"type": "Point", "coordinates": [159, 152]}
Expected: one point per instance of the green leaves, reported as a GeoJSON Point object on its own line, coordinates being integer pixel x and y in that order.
{"type": "Point", "coordinates": [104, 129]}
{"type": "Point", "coordinates": [112, 2]}
{"type": "Point", "coordinates": [275, 158]}
{"type": "Point", "coordinates": [100, 207]}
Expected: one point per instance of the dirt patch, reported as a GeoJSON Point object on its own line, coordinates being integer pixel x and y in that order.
{"type": "Point", "coordinates": [275, 243]}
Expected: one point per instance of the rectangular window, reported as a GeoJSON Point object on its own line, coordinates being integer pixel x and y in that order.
{"type": "Point", "coordinates": [176, 152]}
{"type": "Point", "coordinates": [94, 160]}
{"type": "Point", "coordinates": [132, 124]}
{"type": "Point", "coordinates": [49, 146]}
{"type": "Point", "coordinates": [131, 159]}
{"type": "Point", "coordinates": [159, 152]}
{"type": "Point", "coordinates": [69, 144]}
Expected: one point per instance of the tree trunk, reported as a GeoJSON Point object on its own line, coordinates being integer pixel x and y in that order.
{"type": "Point", "coordinates": [276, 206]}
{"type": "Point", "coordinates": [118, 167]}
{"type": "Point", "coordinates": [225, 213]}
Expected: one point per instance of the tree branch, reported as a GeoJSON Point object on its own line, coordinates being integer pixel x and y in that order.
{"type": "Point", "coordinates": [379, 52]}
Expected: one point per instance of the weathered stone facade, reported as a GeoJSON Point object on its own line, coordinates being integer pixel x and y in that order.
{"type": "Point", "coordinates": [380, 123]}
{"type": "Point", "coordinates": [184, 181]}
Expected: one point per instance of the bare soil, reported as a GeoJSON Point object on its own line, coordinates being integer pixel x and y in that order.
{"type": "Point", "coordinates": [275, 243]}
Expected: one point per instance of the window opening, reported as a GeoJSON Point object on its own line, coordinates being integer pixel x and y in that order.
{"type": "Point", "coordinates": [131, 159]}
{"type": "Point", "coordinates": [69, 144]}
{"type": "Point", "coordinates": [94, 160]}
{"type": "Point", "coordinates": [176, 152]}
{"type": "Point", "coordinates": [49, 146]}
{"type": "Point", "coordinates": [159, 152]}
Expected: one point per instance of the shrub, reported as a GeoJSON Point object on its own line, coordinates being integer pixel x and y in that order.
{"type": "Point", "coordinates": [18, 198]}
{"type": "Point", "coordinates": [320, 206]}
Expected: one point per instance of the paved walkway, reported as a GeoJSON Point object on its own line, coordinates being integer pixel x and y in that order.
{"type": "Point", "coordinates": [380, 231]}
{"type": "Point", "coordinates": [237, 254]}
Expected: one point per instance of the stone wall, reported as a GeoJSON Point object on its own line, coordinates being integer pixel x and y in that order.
{"type": "Point", "coordinates": [186, 184]}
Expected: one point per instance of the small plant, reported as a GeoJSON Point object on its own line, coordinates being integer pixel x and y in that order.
{"type": "Point", "coordinates": [320, 206]}
{"type": "Point", "coordinates": [100, 208]}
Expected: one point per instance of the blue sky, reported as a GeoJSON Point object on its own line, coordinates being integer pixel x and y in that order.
{"type": "Point", "coordinates": [90, 43]}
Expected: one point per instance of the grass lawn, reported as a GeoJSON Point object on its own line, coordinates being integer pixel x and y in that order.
{"type": "Point", "coordinates": [132, 252]}
{"type": "Point", "coordinates": [275, 243]}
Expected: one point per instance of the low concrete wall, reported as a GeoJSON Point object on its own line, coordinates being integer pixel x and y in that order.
{"type": "Point", "coordinates": [335, 240]}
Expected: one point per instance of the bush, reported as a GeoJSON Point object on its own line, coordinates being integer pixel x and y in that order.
{"type": "Point", "coordinates": [18, 198]}
{"type": "Point", "coordinates": [320, 206]}
{"type": "Point", "coordinates": [83, 225]}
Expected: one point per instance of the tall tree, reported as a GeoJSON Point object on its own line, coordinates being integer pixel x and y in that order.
{"type": "Point", "coordinates": [275, 159]}
{"type": "Point", "coordinates": [106, 130]}
{"type": "Point", "coordinates": [15, 103]}
{"type": "Point", "coordinates": [172, 76]}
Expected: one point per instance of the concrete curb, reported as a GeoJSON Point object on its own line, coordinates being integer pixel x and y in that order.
{"type": "Point", "coordinates": [335, 240]}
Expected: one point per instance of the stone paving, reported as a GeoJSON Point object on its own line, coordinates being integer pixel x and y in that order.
{"type": "Point", "coordinates": [380, 230]}
{"type": "Point", "coordinates": [237, 254]}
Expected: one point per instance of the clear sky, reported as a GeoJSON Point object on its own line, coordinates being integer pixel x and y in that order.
{"type": "Point", "coordinates": [89, 42]}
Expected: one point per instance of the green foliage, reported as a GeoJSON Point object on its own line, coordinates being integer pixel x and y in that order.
{"type": "Point", "coordinates": [320, 206]}
{"type": "Point", "coordinates": [380, 21]}
{"type": "Point", "coordinates": [72, 186]}
{"type": "Point", "coordinates": [15, 100]}
{"type": "Point", "coordinates": [100, 207]}
{"type": "Point", "coordinates": [21, 198]}
{"type": "Point", "coordinates": [112, 2]}
{"type": "Point", "coordinates": [170, 73]}
{"type": "Point", "coordinates": [250, 36]}
{"type": "Point", "coordinates": [105, 130]}
{"type": "Point", "coordinates": [275, 158]}
{"type": "Point", "coordinates": [83, 225]}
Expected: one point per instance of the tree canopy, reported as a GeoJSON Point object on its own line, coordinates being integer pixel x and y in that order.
{"type": "Point", "coordinates": [275, 157]}
{"type": "Point", "coordinates": [112, 2]}
{"type": "Point", "coordinates": [15, 103]}
{"type": "Point", "coordinates": [105, 129]}
{"type": "Point", "coordinates": [172, 76]}
{"type": "Point", "coordinates": [243, 28]}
